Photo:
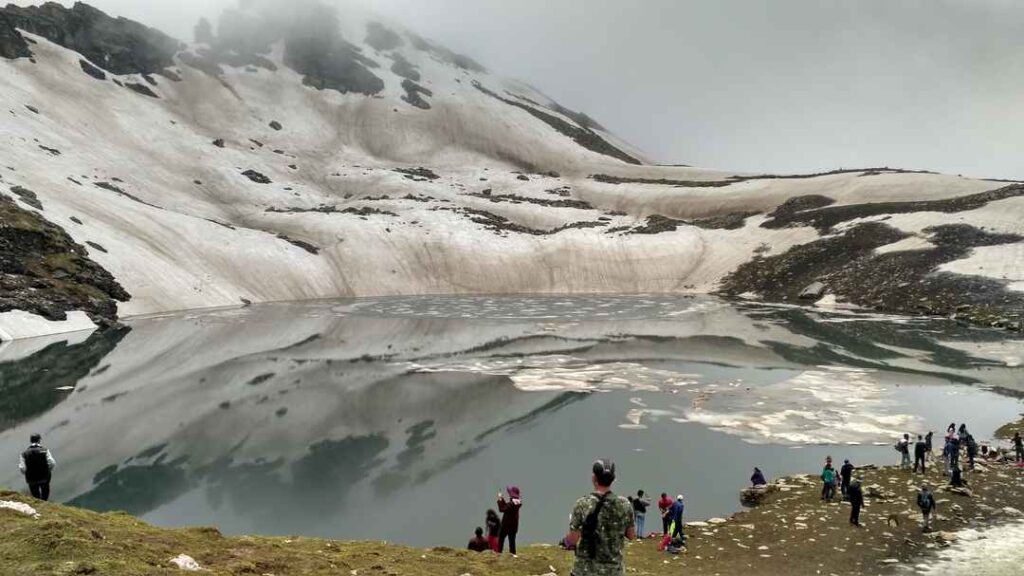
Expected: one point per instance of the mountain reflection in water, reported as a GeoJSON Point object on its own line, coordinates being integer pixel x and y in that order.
{"type": "Point", "coordinates": [400, 418]}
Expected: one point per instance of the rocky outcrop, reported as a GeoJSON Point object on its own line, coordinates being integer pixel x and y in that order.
{"type": "Point", "coordinates": [12, 44]}
{"type": "Point", "coordinates": [119, 45]}
{"type": "Point", "coordinates": [414, 94]}
{"type": "Point", "coordinates": [43, 271]}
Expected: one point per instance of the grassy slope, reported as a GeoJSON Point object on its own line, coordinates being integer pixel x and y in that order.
{"type": "Point", "coordinates": [793, 533]}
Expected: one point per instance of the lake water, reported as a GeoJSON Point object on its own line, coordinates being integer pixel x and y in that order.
{"type": "Point", "coordinates": [400, 418]}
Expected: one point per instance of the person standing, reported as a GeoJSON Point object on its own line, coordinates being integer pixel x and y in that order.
{"type": "Point", "coordinates": [37, 466]}
{"type": "Point", "coordinates": [845, 473]}
{"type": "Point", "coordinates": [1018, 446]}
{"type": "Point", "coordinates": [664, 503]}
{"type": "Point", "coordinates": [903, 447]}
{"type": "Point", "coordinates": [856, 496]}
{"type": "Point", "coordinates": [509, 519]}
{"type": "Point", "coordinates": [926, 502]}
{"type": "Point", "coordinates": [599, 525]}
{"type": "Point", "coordinates": [676, 514]}
{"type": "Point", "coordinates": [928, 444]}
{"type": "Point", "coordinates": [828, 480]}
{"type": "Point", "coordinates": [919, 450]}
{"type": "Point", "coordinates": [972, 451]}
{"type": "Point", "coordinates": [640, 505]}
{"type": "Point", "coordinates": [478, 543]}
{"type": "Point", "coordinates": [493, 523]}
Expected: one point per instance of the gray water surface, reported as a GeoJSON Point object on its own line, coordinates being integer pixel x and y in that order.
{"type": "Point", "coordinates": [400, 418]}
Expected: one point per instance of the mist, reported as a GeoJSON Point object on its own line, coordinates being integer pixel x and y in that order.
{"type": "Point", "coordinates": [754, 85]}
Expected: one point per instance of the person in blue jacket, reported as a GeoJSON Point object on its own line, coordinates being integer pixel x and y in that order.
{"type": "Point", "coordinates": [676, 514]}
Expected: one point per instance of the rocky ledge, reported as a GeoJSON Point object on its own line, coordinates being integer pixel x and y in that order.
{"type": "Point", "coordinates": [43, 271]}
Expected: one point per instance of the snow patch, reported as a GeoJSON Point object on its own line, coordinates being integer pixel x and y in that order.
{"type": "Point", "coordinates": [18, 324]}
{"type": "Point", "coordinates": [186, 563]}
{"type": "Point", "coordinates": [19, 507]}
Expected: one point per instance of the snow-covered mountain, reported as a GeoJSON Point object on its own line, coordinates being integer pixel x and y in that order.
{"type": "Point", "coordinates": [311, 154]}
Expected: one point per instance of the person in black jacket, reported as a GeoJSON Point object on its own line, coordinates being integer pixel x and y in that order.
{"type": "Point", "coordinates": [926, 502]}
{"type": "Point", "coordinates": [844, 476]}
{"type": "Point", "coordinates": [37, 465]}
{"type": "Point", "coordinates": [478, 543]}
{"type": "Point", "coordinates": [856, 496]}
{"type": "Point", "coordinates": [919, 451]}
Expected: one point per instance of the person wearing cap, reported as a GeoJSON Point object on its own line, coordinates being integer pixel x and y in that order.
{"type": "Point", "coordinates": [37, 465]}
{"type": "Point", "coordinates": [509, 519]}
{"type": "Point", "coordinates": [676, 514]}
{"type": "Point", "coordinates": [599, 525]}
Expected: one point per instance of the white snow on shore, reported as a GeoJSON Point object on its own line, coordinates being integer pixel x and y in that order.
{"type": "Point", "coordinates": [992, 551]}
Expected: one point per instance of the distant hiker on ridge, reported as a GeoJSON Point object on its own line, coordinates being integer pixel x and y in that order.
{"type": "Point", "coordinates": [599, 525]}
{"type": "Point", "coordinates": [37, 466]}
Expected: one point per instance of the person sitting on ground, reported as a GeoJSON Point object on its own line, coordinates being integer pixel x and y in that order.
{"type": "Point", "coordinates": [926, 502]}
{"type": "Point", "coordinates": [919, 451]}
{"type": "Point", "coordinates": [664, 503]}
{"type": "Point", "coordinates": [1018, 446]}
{"type": "Point", "coordinates": [845, 473]}
{"type": "Point", "coordinates": [37, 465]}
{"type": "Point", "coordinates": [856, 497]}
{"type": "Point", "coordinates": [757, 478]}
{"type": "Point", "coordinates": [599, 525]}
{"type": "Point", "coordinates": [479, 543]}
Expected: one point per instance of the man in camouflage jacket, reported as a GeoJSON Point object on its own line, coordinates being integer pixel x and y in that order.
{"type": "Point", "coordinates": [599, 525]}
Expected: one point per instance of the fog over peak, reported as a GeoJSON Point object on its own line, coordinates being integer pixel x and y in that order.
{"type": "Point", "coordinates": [758, 85]}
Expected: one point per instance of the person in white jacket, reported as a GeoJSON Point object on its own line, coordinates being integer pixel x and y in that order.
{"type": "Point", "coordinates": [37, 466]}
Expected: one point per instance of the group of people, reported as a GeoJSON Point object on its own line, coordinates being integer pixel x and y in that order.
{"type": "Point", "coordinates": [500, 529]}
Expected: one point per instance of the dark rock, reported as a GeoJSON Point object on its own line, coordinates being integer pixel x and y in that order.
{"type": "Point", "coordinates": [12, 43]}
{"type": "Point", "coordinates": [256, 142]}
{"type": "Point", "coordinates": [96, 246]}
{"type": "Point", "coordinates": [404, 68]}
{"type": "Point", "coordinates": [523, 177]}
{"type": "Point", "coordinates": [27, 196]}
{"type": "Point", "coordinates": [275, 125]}
{"type": "Point", "coordinates": [382, 38]}
{"type": "Point", "coordinates": [149, 79]}
{"type": "Point", "coordinates": [418, 174]}
{"type": "Point", "coordinates": [256, 177]}
{"type": "Point", "coordinates": [813, 291]}
{"type": "Point", "coordinates": [76, 220]}
{"type": "Point", "coordinates": [583, 136]}
{"type": "Point", "coordinates": [219, 142]}
{"type": "Point", "coordinates": [446, 55]}
{"type": "Point", "coordinates": [170, 75]}
{"type": "Point", "coordinates": [119, 45]}
{"type": "Point", "coordinates": [314, 250]}
{"type": "Point", "coordinates": [92, 70]}
{"type": "Point", "coordinates": [32, 251]}
{"type": "Point", "coordinates": [141, 89]}
{"type": "Point", "coordinates": [413, 92]}
{"type": "Point", "coordinates": [52, 151]}
{"type": "Point", "coordinates": [121, 192]}
{"type": "Point", "coordinates": [32, 109]}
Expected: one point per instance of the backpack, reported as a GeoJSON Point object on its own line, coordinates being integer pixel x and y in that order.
{"type": "Point", "coordinates": [589, 534]}
{"type": "Point", "coordinates": [922, 501]}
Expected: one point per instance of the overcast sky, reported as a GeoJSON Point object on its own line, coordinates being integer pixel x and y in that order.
{"type": "Point", "coordinates": [773, 85]}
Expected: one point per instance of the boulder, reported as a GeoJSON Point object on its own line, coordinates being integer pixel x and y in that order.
{"type": "Point", "coordinates": [756, 495]}
{"type": "Point", "coordinates": [813, 291]}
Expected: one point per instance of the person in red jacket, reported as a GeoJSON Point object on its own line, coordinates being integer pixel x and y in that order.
{"type": "Point", "coordinates": [493, 522]}
{"type": "Point", "coordinates": [509, 519]}
{"type": "Point", "coordinates": [664, 503]}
